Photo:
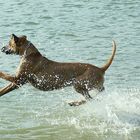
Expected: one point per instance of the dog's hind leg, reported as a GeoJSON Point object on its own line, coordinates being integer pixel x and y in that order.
{"type": "Point", "coordinates": [82, 90]}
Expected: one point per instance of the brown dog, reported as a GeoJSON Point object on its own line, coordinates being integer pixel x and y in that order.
{"type": "Point", "coordinates": [46, 74]}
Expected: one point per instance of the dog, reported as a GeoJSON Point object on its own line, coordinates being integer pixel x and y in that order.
{"type": "Point", "coordinates": [46, 75]}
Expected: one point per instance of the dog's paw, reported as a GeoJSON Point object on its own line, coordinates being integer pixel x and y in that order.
{"type": "Point", "coordinates": [77, 103]}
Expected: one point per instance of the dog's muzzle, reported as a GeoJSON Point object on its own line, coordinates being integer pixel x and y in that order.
{"type": "Point", "coordinates": [6, 50]}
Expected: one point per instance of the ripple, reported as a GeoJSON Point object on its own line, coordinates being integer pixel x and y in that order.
{"type": "Point", "coordinates": [31, 23]}
{"type": "Point", "coordinates": [45, 17]}
{"type": "Point", "coordinates": [67, 34]}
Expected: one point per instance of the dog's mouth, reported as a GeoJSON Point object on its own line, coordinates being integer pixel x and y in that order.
{"type": "Point", "coordinates": [7, 50]}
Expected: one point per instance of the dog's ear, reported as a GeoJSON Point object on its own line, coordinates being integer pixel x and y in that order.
{"type": "Point", "coordinates": [23, 38]}
{"type": "Point", "coordinates": [15, 38]}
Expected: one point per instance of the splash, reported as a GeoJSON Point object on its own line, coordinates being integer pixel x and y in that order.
{"type": "Point", "coordinates": [116, 111]}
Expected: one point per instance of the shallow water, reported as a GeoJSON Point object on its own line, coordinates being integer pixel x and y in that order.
{"type": "Point", "coordinates": [71, 30]}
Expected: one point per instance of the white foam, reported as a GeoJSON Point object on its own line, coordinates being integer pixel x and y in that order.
{"type": "Point", "coordinates": [116, 110]}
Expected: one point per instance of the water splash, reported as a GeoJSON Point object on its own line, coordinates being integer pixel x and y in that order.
{"type": "Point", "coordinates": [116, 111]}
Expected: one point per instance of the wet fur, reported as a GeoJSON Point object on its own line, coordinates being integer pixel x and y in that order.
{"type": "Point", "coordinates": [45, 74]}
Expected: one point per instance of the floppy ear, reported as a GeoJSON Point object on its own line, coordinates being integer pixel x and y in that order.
{"type": "Point", "coordinates": [14, 37]}
{"type": "Point", "coordinates": [23, 38]}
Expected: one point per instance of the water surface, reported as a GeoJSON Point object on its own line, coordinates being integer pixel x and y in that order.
{"type": "Point", "coordinates": [72, 30]}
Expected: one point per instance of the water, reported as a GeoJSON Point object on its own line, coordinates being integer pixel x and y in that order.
{"type": "Point", "coordinates": [72, 30]}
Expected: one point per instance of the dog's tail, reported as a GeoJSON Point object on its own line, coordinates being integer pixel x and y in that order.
{"type": "Point", "coordinates": [106, 66]}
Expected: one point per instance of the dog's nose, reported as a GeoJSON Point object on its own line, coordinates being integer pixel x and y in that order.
{"type": "Point", "coordinates": [3, 49]}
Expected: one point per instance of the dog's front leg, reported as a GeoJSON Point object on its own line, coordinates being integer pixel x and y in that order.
{"type": "Point", "coordinates": [8, 88]}
{"type": "Point", "coordinates": [7, 77]}
{"type": "Point", "coordinates": [18, 81]}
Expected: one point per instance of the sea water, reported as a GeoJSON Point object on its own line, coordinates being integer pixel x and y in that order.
{"type": "Point", "coordinates": [74, 31]}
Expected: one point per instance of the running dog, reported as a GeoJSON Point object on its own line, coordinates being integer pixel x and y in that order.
{"type": "Point", "coordinates": [45, 74]}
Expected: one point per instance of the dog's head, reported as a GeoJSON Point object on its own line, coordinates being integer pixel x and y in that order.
{"type": "Point", "coordinates": [17, 45]}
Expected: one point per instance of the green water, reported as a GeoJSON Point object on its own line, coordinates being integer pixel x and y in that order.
{"type": "Point", "coordinates": [72, 30]}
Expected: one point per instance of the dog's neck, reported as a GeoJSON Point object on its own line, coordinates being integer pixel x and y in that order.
{"type": "Point", "coordinates": [30, 49]}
